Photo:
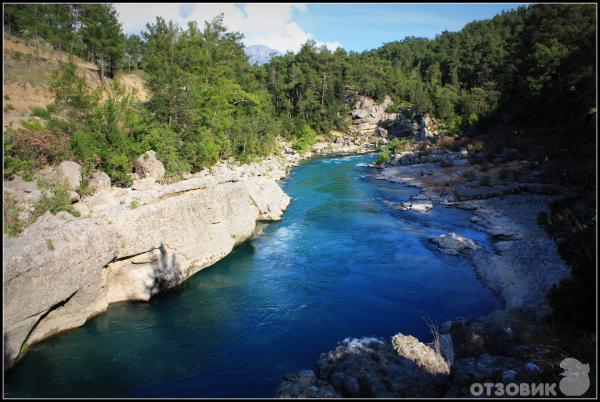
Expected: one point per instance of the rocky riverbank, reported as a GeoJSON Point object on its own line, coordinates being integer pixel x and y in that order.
{"type": "Point", "coordinates": [131, 243]}
{"type": "Point", "coordinates": [510, 345]}
{"type": "Point", "coordinates": [505, 199]}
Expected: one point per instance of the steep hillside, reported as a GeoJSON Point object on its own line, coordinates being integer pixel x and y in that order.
{"type": "Point", "coordinates": [28, 72]}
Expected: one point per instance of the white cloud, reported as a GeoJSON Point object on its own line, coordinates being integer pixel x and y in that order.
{"type": "Point", "coordinates": [330, 45]}
{"type": "Point", "coordinates": [261, 23]}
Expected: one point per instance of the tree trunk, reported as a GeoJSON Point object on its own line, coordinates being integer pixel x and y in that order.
{"type": "Point", "coordinates": [323, 89]}
{"type": "Point", "coordinates": [102, 67]}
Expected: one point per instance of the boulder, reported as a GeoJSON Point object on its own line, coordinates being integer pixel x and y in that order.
{"type": "Point", "coordinates": [100, 181]}
{"type": "Point", "coordinates": [74, 196]}
{"type": "Point", "coordinates": [426, 358]}
{"type": "Point", "coordinates": [473, 337]}
{"type": "Point", "coordinates": [453, 244]}
{"type": "Point", "coordinates": [23, 192]}
{"type": "Point", "coordinates": [370, 368]}
{"type": "Point", "coordinates": [305, 385]}
{"type": "Point", "coordinates": [148, 166]}
{"type": "Point", "coordinates": [382, 132]}
{"type": "Point", "coordinates": [69, 173]}
{"type": "Point", "coordinates": [419, 203]}
{"type": "Point", "coordinates": [481, 369]}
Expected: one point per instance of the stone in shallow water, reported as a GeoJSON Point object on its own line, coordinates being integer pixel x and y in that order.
{"type": "Point", "coordinates": [453, 244]}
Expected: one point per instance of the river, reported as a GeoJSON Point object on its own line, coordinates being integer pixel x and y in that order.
{"type": "Point", "coordinates": [340, 263]}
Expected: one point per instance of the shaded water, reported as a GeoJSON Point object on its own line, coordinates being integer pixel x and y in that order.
{"type": "Point", "coordinates": [340, 263]}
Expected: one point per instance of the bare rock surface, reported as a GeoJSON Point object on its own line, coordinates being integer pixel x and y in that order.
{"type": "Point", "coordinates": [524, 262]}
{"type": "Point", "coordinates": [131, 245]}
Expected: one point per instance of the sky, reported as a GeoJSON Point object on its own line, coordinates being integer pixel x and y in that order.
{"type": "Point", "coordinates": [287, 26]}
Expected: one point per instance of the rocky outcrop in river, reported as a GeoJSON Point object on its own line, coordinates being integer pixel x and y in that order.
{"type": "Point", "coordinates": [493, 349]}
{"type": "Point", "coordinates": [129, 244]}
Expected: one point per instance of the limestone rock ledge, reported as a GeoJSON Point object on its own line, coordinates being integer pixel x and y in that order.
{"type": "Point", "coordinates": [63, 270]}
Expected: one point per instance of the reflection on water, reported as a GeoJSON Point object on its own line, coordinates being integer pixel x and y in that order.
{"type": "Point", "coordinates": [340, 263]}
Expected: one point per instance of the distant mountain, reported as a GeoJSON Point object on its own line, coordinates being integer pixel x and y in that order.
{"type": "Point", "coordinates": [260, 54]}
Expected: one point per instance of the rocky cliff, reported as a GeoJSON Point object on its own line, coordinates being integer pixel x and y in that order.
{"type": "Point", "coordinates": [129, 244]}
{"type": "Point", "coordinates": [370, 118]}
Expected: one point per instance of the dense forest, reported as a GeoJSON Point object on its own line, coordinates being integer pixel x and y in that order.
{"type": "Point", "coordinates": [533, 67]}
{"type": "Point", "coordinates": [532, 70]}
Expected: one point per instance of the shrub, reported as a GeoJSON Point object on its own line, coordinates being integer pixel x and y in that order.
{"type": "Point", "coordinates": [50, 244]}
{"type": "Point", "coordinates": [118, 167]}
{"type": "Point", "coordinates": [40, 112]}
{"type": "Point", "coordinates": [39, 145]}
{"type": "Point", "coordinates": [85, 148]}
{"type": "Point", "coordinates": [572, 222]}
{"type": "Point", "coordinates": [383, 156]}
{"type": "Point", "coordinates": [13, 225]}
{"type": "Point", "coordinates": [449, 143]}
{"type": "Point", "coordinates": [307, 139]}
{"type": "Point", "coordinates": [400, 145]}
{"type": "Point", "coordinates": [58, 201]}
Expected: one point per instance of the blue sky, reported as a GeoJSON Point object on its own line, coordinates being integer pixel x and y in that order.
{"type": "Point", "coordinates": [286, 26]}
{"type": "Point", "coordinates": [367, 26]}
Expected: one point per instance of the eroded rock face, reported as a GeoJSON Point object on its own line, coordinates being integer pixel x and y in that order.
{"type": "Point", "coordinates": [148, 166]}
{"type": "Point", "coordinates": [370, 118]}
{"type": "Point", "coordinates": [125, 251]}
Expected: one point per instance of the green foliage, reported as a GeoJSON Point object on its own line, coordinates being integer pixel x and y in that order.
{"type": "Point", "coordinates": [397, 145]}
{"type": "Point", "coordinates": [534, 64]}
{"type": "Point", "coordinates": [90, 31]}
{"type": "Point", "coordinates": [40, 112]}
{"type": "Point", "coordinates": [118, 167]}
{"type": "Point", "coordinates": [59, 200]}
{"type": "Point", "coordinates": [50, 244]}
{"type": "Point", "coordinates": [12, 224]}
{"type": "Point", "coordinates": [306, 139]}
{"type": "Point", "coordinates": [572, 223]}
{"type": "Point", "coordinates": [383, 156]}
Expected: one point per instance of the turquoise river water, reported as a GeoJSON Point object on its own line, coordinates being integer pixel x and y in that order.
{"type": "Point", "coordinates": [340, 263]}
